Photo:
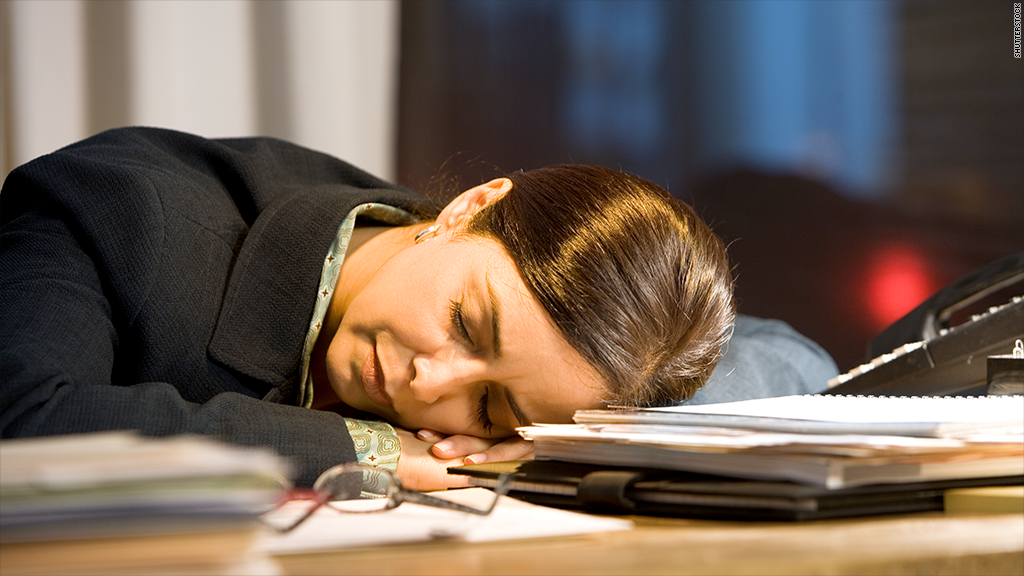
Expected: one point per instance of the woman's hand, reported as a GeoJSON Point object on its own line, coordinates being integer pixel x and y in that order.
{"type": "Point", "coordinates": [427, 455]}
{"type": "Point", "coordinates": [421, 470]}
{"type": "Point", "coordinates": [475, 450]}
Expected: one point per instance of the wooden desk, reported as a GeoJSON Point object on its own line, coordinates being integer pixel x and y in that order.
{"type": "Point", "coordinates": [931, 543]}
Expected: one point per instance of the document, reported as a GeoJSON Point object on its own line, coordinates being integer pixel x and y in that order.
{"type": "Point", "coordinates": [115, 483]}
{"type": "Point", "coordinates": [826, 441]}
{"type": "Point", "coordinates": [117, 502]}
{"type": "Point", "coordinates": [932, 416]}
{"type": "Point", "coordinates": [511, 519]}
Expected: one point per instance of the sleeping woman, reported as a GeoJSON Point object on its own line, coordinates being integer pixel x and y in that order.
{"type": "Point", "coordinates": [271, 295]}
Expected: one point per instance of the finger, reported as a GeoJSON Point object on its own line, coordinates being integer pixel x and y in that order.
{"type": "Point", "coordinates": [511, 449]}
{"type": "Point", "coordinates": [460, 445]}
{"type": "Point", "coordinates": [430, 436]}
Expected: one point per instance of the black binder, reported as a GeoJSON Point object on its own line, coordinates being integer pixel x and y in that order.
{"type": "Point", "coordinates": [653, 492]}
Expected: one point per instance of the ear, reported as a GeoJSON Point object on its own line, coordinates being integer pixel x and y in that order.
{"type": "Point", "coordinates": [470, 202]}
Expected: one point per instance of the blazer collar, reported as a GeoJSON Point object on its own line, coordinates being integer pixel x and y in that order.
{"type": "Point", "coordinates": [272, 286]}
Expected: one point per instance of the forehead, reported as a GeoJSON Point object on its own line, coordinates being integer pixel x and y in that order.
{"type": "Point", "coordinates": [549, 378]}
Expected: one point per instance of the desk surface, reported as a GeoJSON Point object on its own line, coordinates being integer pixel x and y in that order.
{"type": "Point", "coordinates": [930, 543]}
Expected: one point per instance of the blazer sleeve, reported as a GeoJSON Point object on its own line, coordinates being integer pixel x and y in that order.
{"type": "Point", "coordinates": [60, 348]}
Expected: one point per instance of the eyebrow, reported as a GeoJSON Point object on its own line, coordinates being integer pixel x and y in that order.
{"type": "Point", "coordinates": [516, 410]}
{"type": "Point", "coordinates": [495, 321]}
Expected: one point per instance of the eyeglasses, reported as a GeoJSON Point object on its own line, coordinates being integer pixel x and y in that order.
{"type": "Point", "coordinates": [357, 488]}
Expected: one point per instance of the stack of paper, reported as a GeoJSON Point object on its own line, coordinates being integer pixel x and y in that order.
{"type": "Point", "coordinates": [117, 502]}
{"type": "Point", "coordinates": [831, 442]}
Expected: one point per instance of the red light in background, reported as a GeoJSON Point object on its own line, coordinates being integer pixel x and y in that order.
{"type": "Point", "coordinates": [898, 280]}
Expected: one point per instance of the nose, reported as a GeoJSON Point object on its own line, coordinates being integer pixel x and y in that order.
{"type": "Point", "coordinates": [438, 375]}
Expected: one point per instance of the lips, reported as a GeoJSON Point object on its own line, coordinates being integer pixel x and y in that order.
{"type": "Point", "coordinates": [372, 377]}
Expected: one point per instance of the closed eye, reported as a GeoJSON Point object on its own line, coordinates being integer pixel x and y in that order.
{"type": "Point", "coordinates": [459, 321]}
{"type": "Point", "coordinates": [482, 413]}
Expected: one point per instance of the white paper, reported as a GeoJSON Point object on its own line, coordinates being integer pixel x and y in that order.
{"type": "Point", "coordinates": [511, 519]}
{"type": "Point", "coordinates": [79, 460]}
{"type": "Point", "coordinates": [936, 416]}
{"type": "Point", "coordinates": [868, 409]}
{"type": "Point", "coordinates": [695, 438]}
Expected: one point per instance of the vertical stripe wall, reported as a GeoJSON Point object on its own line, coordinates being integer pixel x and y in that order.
{"type": "Point", "coordinates": [322, 74]}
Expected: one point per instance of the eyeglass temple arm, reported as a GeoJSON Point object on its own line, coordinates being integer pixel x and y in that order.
{"type": "Point", "coordinates": [322, 498]}
{"type": "Point", "coordinates": [426, 499]}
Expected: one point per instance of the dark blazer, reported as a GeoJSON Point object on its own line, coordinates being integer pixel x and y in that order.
{"type": "Point", "coordinates": [162, 282]}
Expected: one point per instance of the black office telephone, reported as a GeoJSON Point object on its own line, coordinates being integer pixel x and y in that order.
{"type": "Point", "coordinates": [921, 354]}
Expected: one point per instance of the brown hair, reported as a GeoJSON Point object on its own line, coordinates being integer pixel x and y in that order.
{"type": "Point", "coordinates": [637, 283]}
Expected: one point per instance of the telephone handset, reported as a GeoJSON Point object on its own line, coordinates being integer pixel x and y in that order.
{"type": "Point", "coordinates": [922, 355]}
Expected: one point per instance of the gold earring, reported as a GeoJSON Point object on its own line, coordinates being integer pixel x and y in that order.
{"type": "Point", "coordinates": [426, 233]}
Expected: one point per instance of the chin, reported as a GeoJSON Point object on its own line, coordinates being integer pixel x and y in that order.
{"type": "Point", "coordinates": [399, 422]}
{"type": "Point", "coordinates": [360, 414]}
{"type": "Point", "coordinates": [375, 412]}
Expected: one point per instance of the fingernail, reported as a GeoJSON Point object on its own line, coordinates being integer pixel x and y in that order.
{"type": "Point", "coordinates": [426, 436]}
{"type": "Point", "coordinates": [475, 459]}
{"type": "Point", "coordinates": [443, 446]}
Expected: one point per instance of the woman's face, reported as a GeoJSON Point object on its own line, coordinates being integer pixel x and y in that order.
{"type": "Point", "coordinates": [446, 336]}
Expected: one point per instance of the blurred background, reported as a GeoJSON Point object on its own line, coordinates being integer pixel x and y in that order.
{"type": "Point", "coordinates": [856, 155]}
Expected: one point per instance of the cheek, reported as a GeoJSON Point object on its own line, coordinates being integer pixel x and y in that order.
{"type": "Point", "coordinates": [406, 297]}
{"type": "Point", "coordinates": [445, 419]}
{"type": "Point", "coordinates": [376, 302]}
{"type": "Point", "coordinates": [399, 285]}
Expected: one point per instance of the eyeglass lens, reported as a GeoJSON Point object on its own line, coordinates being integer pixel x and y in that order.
{"type": "Point", "coordinates": [358, 488]}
